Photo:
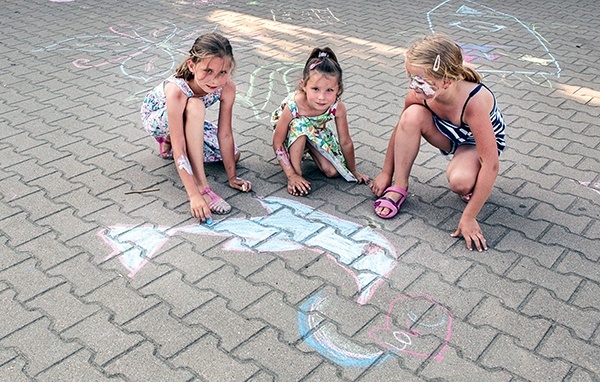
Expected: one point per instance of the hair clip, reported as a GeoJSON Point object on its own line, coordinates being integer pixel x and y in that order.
{"type": "Point", "coordinates": [315, 64]}
{"type": "Point", "coordinates": [323, 54]}
{"type": "Point", "coordinates": [436, 63]}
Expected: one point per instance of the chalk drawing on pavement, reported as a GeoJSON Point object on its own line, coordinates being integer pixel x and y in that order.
{"type": "Point", "coordinates": [312, 15]}
{"type": "Point", "coordinates": [414, 326]}
{"type": "Point", "coordinates": [363, 253]}
{"type": "Point", "coordinates": [144, 53]}
{"type": "Point", "coordinates": [477, 23]}
{"type": "Point", "coordinates": [278, 75]}
{"type": "Point", "coordinates": [593, 186]}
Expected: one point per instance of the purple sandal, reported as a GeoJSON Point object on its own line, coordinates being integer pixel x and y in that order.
{"type": "Point", "coordinates": [389, 203]}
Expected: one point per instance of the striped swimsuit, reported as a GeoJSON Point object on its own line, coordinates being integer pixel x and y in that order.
{"type": "Point", "coordinates": [461, 135]}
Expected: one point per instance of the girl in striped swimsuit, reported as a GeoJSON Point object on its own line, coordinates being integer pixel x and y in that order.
{"type": "Point", "coordinates": [449, 107]}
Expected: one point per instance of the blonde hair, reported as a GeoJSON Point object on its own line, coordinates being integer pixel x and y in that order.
{"type": "Point", "coordinates": [441, 58]}
{"type": "Point", "coordinates": [205, 46]}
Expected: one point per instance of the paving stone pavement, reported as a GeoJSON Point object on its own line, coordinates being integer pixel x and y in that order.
{"type": "Point", "coordinates": [99, 284]}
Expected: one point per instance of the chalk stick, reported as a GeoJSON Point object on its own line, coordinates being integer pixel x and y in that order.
{"type": "Point", "coordinates": [209, 222]}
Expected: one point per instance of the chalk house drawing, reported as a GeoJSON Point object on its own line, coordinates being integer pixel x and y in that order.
{"type": "Point", "coordinates": [412, 322]}
{"type": "Point", "coordinates": [477, 22]}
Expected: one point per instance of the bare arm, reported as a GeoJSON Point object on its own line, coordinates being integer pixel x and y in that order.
{"type": "Point", "coordinates": [297, 185]}
{"type": "Point", "coordinates": [478, 118]}
{"type": "Point", "coordinates": [384, 179]}
{"type": "Point", "coordinates": [346, 143]}
{"type": "Point", "coordinates": [176, 104]}
{"type": "Point", "coordinates": [226, 139]}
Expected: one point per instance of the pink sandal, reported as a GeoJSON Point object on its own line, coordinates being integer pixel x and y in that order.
{"type": "Point", "coordinates": [217, 204]}
{"type": "Point", "coordinates": [389, 203]}
{"type": "Point", "coordinates": [165, 149]}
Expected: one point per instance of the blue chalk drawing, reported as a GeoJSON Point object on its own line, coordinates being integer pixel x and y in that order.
{"type": "Point", "coordinates": [288, 225]}
{"type": "Point", "coordinates": [365, 254]}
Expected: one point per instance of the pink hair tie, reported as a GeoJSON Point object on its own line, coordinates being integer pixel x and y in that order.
{"type": "Point", "coordinates": [315, 64]}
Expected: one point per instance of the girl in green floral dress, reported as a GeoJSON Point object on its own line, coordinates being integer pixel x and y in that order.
{"type": "Point", "coordinates": [303, 122]}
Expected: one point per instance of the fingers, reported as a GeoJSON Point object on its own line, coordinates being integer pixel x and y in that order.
{"type": "Point", "coordinates": [472, 241]}
{"type": "Point", "coordinates": [240, 184]}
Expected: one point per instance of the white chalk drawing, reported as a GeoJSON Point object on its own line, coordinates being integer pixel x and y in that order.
{"type": "Point", "coordinates": [279, 75]}
{"type": "Point", "coordinates": [478, 22]}
{"type": "Point", "coordinates": [211, 3]}
{"type": "Point", "coordinates": [413, 322]}
{"type": "Point", "coordinates": [145, 53]}
{"type": "Point", "coordinates": [312, 15]}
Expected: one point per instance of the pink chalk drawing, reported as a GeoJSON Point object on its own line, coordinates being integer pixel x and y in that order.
{"type": "Point", "coordinates": [593, 186]}
{"type": "Point", "coordinates": [405, 330]}
{"type": "Point", "coordinates": [144, 53]}
{"type": "Point", "coordinates": [367, 256]}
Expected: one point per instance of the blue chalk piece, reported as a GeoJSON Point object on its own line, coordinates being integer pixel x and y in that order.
{"type": "Point", "coordinates": [209, 222]}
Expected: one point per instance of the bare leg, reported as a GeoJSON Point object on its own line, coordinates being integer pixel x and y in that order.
{"type": "Point", "coordinates": [416, 122]}
{"type": "Point", "coordinates": [296, 151]}
{"type": "Point", "coordinates": [297, 185]}
{"type": "Point", "coordinates": [322, 163]}
{"type": "Point", "coordinates": [463, 169]}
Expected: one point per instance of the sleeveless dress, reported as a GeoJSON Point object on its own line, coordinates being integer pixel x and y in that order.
{"type": "Point", "coordinates": [319, 132]}
{"type": "Point", "coordinates": [462, 135]}
{"type": "Point", "coordinates": [154, 116]}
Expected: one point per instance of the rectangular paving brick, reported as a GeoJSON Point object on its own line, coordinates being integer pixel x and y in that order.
{"type": "Point", "coordinates": [513, 358]}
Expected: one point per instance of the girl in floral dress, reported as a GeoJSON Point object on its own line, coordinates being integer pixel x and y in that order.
{"type": "Point", "coordinates": [303, 123]}
{"type": "Point", "coordinates": [174, 114]}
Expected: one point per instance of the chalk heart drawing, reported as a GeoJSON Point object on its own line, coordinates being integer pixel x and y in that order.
{"type": "Point", "coordinates": [412, 323]}
{"type": "Point", "coordinates": [414, 326]}
{"type": "Point", "coordinates": [480, 23]}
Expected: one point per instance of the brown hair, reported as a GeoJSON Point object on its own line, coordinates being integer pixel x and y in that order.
{"type": "Point", "coordinates": [441, 58]}
{"type": "Point", "coordinates": [324, 61]}
{"type": "Point", "coordinates": [207, 45]}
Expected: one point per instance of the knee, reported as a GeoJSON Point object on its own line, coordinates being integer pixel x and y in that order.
{"type": "Point", "coordinates": [412, 118]}
{"type": "Point", "coordinates": [330, 172]}
{"type": "Point", "coordinates": [460, 182]}
{"type": "Point", "coordinates": [195, 109]}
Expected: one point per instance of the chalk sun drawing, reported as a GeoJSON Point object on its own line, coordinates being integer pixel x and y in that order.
{"type": "Point", "coordinates": [363, 253]}
{"type": "Point", "coordinates": [476, 22]}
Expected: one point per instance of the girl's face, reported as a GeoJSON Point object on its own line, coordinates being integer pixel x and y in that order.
{"type": "Point", "coordinates": [321, 91]}
{"type": "Point", "coordinates": [424, 87]}
{"type": "Point", "coordinates": [210, 74]}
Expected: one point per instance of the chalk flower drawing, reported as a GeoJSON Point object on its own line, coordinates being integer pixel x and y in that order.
{"type": "Point", "coordinates": [365, 254]}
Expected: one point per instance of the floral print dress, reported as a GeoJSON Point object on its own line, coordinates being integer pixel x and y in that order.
{"type": "Point", "coordinates": [155, 122]}
{"type": "Point", "coordinates": [319, 132]}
